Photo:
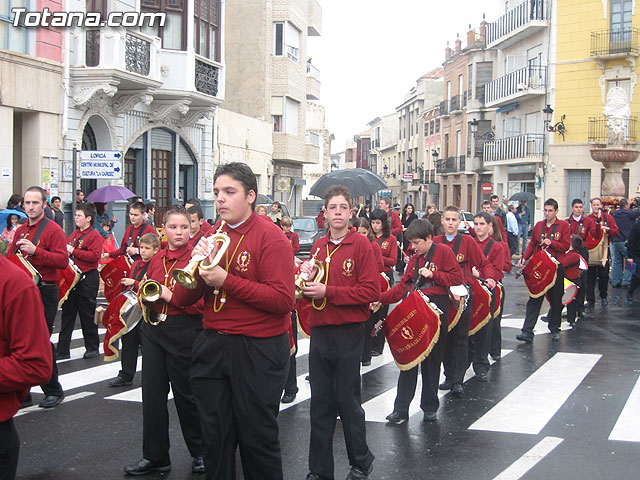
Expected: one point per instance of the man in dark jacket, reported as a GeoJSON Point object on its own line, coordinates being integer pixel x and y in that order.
{"type": "Point", "coordinates": [633, 252]}
{"type": "Point", "coordinates": [625, 218]}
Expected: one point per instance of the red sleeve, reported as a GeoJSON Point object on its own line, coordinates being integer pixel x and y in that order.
{"type": "Point", "coordinates": [367, 285]}
{"type": "Point", "coordinates": [396, 224]}
{"type": "Point", "coordinates": [27, 360]}
{"type": "Point", "coordinates": [564, 242]}
{"type": "Point", "coordinates": [449, 272]}
{"type": "Point", "coordinates": [506, 256]}
{"type": "Point", "coordinates": [57, 256]}
{"type": "Point", "coordinates": [93, 244]}
{"type": "Point", "coordinates": [395, 293]}
{"type": "Point", "coordinates": [614, 231]}
{"type": "Point", "coordinates": [496, 258]}
{"type": "Point", "coordinates": [320, 219]}
{"type": "Point", "coordinates": [590, 227]}
{"type": "Point", "coordinates": [275, 293]}
{"type": "Point", "coordinates": [123, 244]}
{"type": "Point", "coordinates": [534, 244]}
{"type": "Point", "coordinates": [486, 268]}
{"type": "Point", "coordinates": [295, 242]}
{"type": "Point", "coordinates": [390, 255]}
{"type": "Point", "coordinates": [377, 253]}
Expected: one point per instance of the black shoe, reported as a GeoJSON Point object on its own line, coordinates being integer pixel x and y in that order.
{"type": "Point", "coordinates": [429, 417]}
{"type": "Point", "coordinates": [457, 389]}
{"type": "Point", "coordinates": [571, 322]}
{"type": "Point", "coordinates": [604, 302]}
{"type": "Point", "coordinates": [197, 464]}
{"type": "Point", "coordinates": [91, 354]}
{"type": "Point", "coordinates": [145, 466]}
{"type": "Point", "coordinates": [51, 401]}
{"type": "Point", "coordinates": [315, 476]}
{"type": "Point", "coordinates": [544, 319]}
{"type": "Point", "coordinates": [590, 304]}
{"type": "Point", "coordinates": [119, 382]}
{"type": "Point", "coordinates": [63, 356]}
{"type": "Point", "coordinates": [288, 397]}
{"type": "Point", "coordinates": [446, 385]}
{"type": "Point", "coordinates": [27, 402]}
{"type": "Point", "coordinates": [583, 315]}
{"type": "Point", "coordinates": [359, 474]}
{"type": "Point", "coordinates": [496, 357]}
{"type": "Point", "coordinates": [397, 418]}
{"type": "Point", "coordinates": [366, 363]}
{"type": "Point", "coordinates": [555, 336]}
{"type": "Point", "coordinates": [308, 378]}
{"type": "Point", "coordinates": [482, 377]}
{"type": "Point", "coordinates": [524, 338]}
{"type": "Point", "coordinates": [375, 353]}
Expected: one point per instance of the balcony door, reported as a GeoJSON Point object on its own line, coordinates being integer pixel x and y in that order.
{"type": "Point", "coordinates": [620, 33]}
{"type": "Point", "coordinates": [161, 168]}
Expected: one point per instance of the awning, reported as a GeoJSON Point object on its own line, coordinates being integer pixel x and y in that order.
{"type": "Point", "coordinates": [508, 108]}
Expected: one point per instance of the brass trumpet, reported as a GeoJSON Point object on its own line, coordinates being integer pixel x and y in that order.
{"type": "Point", "coordinates": [187, 276]}
{"type": "Point", "coordinates": [150, 291]}
{"type": "Point", "coordinates": [301, 279]}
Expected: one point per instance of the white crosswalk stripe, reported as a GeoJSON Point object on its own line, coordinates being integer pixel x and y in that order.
{"type": "Point", "coordinates": [541, 328]}
{"type": "Point", "coordinates": [627, 428]}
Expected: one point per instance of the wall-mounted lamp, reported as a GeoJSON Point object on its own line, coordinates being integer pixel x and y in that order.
{"type": "Point", "coordinates": [385, 169]}
{"type": "Point", "coordinates": [487, 136]}
{"type": "Point", "coordinates": [558, 127]}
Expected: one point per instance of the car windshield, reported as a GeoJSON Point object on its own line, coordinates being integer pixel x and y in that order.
{"type": "Point", "coordinates": [304, 224]}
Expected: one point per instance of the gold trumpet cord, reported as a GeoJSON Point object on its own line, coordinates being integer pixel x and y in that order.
{"type": "Point", "coordinates": [223, 294]}
{"type": "Point", "coordinates": [326, 278]}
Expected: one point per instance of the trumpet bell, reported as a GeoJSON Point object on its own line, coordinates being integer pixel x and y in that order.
{"type": "Point", "coordinates": [187, 276]}
{"type": "Point", "coordinates": [150, 291]}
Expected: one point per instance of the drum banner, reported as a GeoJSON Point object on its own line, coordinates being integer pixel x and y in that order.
{"type": "Point", "coordinates": [481, 312]}
{"type": "Point", "coordinates": [67, 280]}
{"type": "Point", "coordinates": [496, 300]}
{"type": "Point", "coordinates": [598, 248]}
{"type": "Point", "coordinates": [116, 326]}
{"type": "Point", "coordinates": [303, 312]}
{"type": "Point", "coordinates": [540, 273]}
{"type": "Point", "coordinates": [412, 329]}
{"type": "Point", "coordinates": [111, 275]}
{"type": "Point", "coordinates": [384, 286]}
{"type": "Point", "coordinates": [23, 264]}
{"type": "Point", "coordinates": [456, 309]}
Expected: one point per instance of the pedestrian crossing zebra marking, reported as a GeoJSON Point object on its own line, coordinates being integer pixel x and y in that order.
{"type": "Point", "coordinates": [67, 399]}
{"type": "Point", "coordinates": [541, 328]}
{"type": "Point", "coordinates": [627, 428]}
{"type": "Point", "coordinates": [377, 409]}
{"type": "Point", "coordinates": [77, 353]}
{"type": "Point", "coordinates": [75, 335]}
{"type": "Point", "coordinates": [530, 406]}
{"type": "Point", "coordinates": [530, 459]}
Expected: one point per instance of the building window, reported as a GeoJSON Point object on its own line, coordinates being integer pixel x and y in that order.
{"type": "Point", "coordinates": [621, 12]}
{"type": "Point", "coordinates": [206, 24]}
{"type": "Point", "coordinates": [173, 34]}
{"type": "Point", "coordinates": [98, 6]}
{"type": "Point", "coordinates": [286, 40]}
{"type": "Point", "coordinates": [437, 125]}
{"type": "Point", "coordinates": [12, 38]}
{"type": "Point", "coordinates": [284, 113]}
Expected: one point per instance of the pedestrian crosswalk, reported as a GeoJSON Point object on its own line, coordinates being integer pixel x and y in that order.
{"type": "Point", "coordinates": [526, 408]}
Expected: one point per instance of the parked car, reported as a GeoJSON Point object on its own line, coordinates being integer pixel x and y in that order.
{"type": "Point", "coordinates": [465, 217]}
{"type": "Point", "coordinates": [308, 231]}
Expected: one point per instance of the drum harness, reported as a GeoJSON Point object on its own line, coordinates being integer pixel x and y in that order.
{"type": "Point", "coordinates": [35, 241]}
{"type": "Point", "coordinates": [75, 243]}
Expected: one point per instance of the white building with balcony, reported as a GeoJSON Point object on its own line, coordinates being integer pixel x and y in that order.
{"type": "Point", "coordinates": [519, 91]}
{"type": "Point", "coordinates": [150, 93]}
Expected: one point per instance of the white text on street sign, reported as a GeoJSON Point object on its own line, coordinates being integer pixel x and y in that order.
{"type": "Point", "coordinates": [104, 165]}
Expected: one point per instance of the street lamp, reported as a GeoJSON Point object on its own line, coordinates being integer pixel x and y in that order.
{"type": "Point", "coordinates": [483, 136]}
{"type": "Point", "coordinates": [548, 117]}
{"type": "Point", "coordinates": [434, 154]}
{"type": "Point", "coordinates": [385, 169]}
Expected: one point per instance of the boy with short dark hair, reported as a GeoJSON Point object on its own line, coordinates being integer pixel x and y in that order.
{"type": "Point", "coordinates": [133, 233]}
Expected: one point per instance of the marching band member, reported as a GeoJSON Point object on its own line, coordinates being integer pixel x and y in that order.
{"type": "Point", "coordinates": [572, 271]}
{"type": "Point", "coordinates": [167, 341]}
{"type": "Point", "coordinates": [439, 268]}
{"type": "Point", "coordinates": [43, 243]}
{"type": "Point", "coordinates": [468, 255]}
{"type": "Point", "coordinates": [25, 355]}
{"type": "Point", "coordinates": [133, 233]}
{"type": "Point", "coordinates": [197, 229]}
{"type": "Point", "coordinates": [582, 226]}
{"type": "Point", "coordinates": [240, 360]}
{"type": "Point", "coordinates": [291, 385]}
{"type": "Point", "coordinates": [607, 224]}
{"type": "Point", "coordinates": [364, 228]}
{"type": "Point", "coordinates": [494, 251]}
{"type": "Point", "coordinates": [551, 234]}
{"type": "Point", "coordinates": [149, 246]}
{"type": "Point", "coordinates": [84, 247]}
{"type": "Point", "coordinates": [340, 308]}
{"type": "Point", "coordinates": [495, 348]}
{"type": "Point", "coordinates": [388, 244]}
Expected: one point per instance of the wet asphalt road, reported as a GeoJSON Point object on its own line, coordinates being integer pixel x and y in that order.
{"type": "Point", "coordinates": [568, 405]}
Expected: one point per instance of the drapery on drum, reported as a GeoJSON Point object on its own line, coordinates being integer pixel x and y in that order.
{"type": "Point", "coordinates": [458, 301]}
{"type": "Point", "coordinates": [25, 265]}
{"type": "Point", "coordinates": [540, 273]}
{"type": "Point", "coordinates": [111, 275]}
{"type": "Point", "coordinates": [67, 280]}
{"type": "Point", "coordinates": [481, 312]}
{"type": "Point", "coordinates": [598, 248]}
{"type": "Point", "coordinates": [412, 329]}
{"type": "Point", "coordinates": [303, 312]}
{"type": "Point", "coordinates": [120, 317]}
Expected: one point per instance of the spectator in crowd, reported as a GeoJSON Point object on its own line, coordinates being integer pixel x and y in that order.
{"type": "Point", "coordinates": [110, 243]}
{"type": "Point", "coordinates": [15, 202]}
{"type": "Point", "coordinates": [633, 253]}
{"type": "Point", "coordinates": [10, 230]}
{"type": "Point", "coordinates": [319, 218]}
{"type": "Point", "coordinates": [58, 214]}
{"type": "Point", "coordinates": [48, 211]}
{"type": "Point", "coordinates": [79, 196]}
{"type": "Point", "coordinates": [524, 225]}
{"type": "Point", "coordinates": [431, 208]}
{"type": "Point", "coordinates": [624, 217]}
{"type": "Point", "coordinates": [512, 230]}
{"type": "Point", "coordinates": [435, 219]}
{"type": "Point", "coordinates": [261, 210]}
{"type": "Point", "coordinates": [151, 212]}
{"type": "Point", "coordinates": [276, 214]}
{"type": "Point", "coordinates": [408, 216]}
{"type": "Point", "coordinates": [496, 210]}
{"type": "Point", "coordinates": [102, 216]}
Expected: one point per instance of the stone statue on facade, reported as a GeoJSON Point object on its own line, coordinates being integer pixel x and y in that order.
{"type": "Point", "coordinates": [617, 111]}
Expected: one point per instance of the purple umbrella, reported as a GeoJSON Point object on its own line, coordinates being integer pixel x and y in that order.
{"type": "Point", "coordinates": [110, 193]}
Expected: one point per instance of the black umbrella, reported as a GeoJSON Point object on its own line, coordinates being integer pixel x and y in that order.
{"type": "Point", "coordinates": [359, 180]}
{"type": "Point", "coordinates": [523, 196]}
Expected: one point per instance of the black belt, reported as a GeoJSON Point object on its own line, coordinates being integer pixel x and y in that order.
{"type": "Point", "coordinates": [42, 282]}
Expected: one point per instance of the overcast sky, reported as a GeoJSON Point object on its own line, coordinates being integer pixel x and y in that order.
{"type": "Point", "coordinates": [371, 53]}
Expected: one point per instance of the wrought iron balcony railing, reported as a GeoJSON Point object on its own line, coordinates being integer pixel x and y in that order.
{"type": "Point", "coordinates": [518, 81]}
{"type": "Point", "coordinates": [137, 55]}
{"type": "Point", "coordinates": [443, 108]}
{"type": "Point", "coordinates": [516, 18]}
{"type": "Point", "coordinates": [513, 148]}
{"type": "Point", "coordinates": [599, 133]}
{"type": "Point", "coordinates": [613, 42]}
{"type": "Point", "coordinates": [206, 80]}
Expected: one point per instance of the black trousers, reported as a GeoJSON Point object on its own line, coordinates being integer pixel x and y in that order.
{"type": "Point", "coordinates": [167, 359]}
{"type": "Point", "coordinates": [480, 345]}
{"type": "Point", "coordinates": [131, 342]}
{"type": "Point", "coordinates": [49, 294]}
{"type": "Point", "coordinates": [574, 306]}
{"type": "Point", "coordinates": [82, 302]}
{"type": "Point", "coordinates": [368, 339]}
{"type": "Point", "coordinates": [512, 240]}
{"type": "Point", "coordinates": [534, 304]}
{"type": "Point", "coordinates": [430, 368]}
{"type": "Point", "coordinates": [377, 342]}
{"type": "Point", "coordinates": [237, 382]}
{"type": "Point", "coordinates": [601, 274]}
{"type": "Point", "coordinates": [334, 367]}
{"type": "Point", "coordinates": [291, 385]}
{"type": "Point", "coordinates": [9, 450]}
{"type": "Point", "coordinates": [495, 348]}
{"type": "Point", "coordinates": [456, 346]}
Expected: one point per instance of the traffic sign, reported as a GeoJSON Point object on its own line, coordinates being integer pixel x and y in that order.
{"type": "Point", "coordinates": [407, 177]}
{"type": "Point", "coordinates": [100, 164]}
{"type": "Point", "coordinates": [487, 188]}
